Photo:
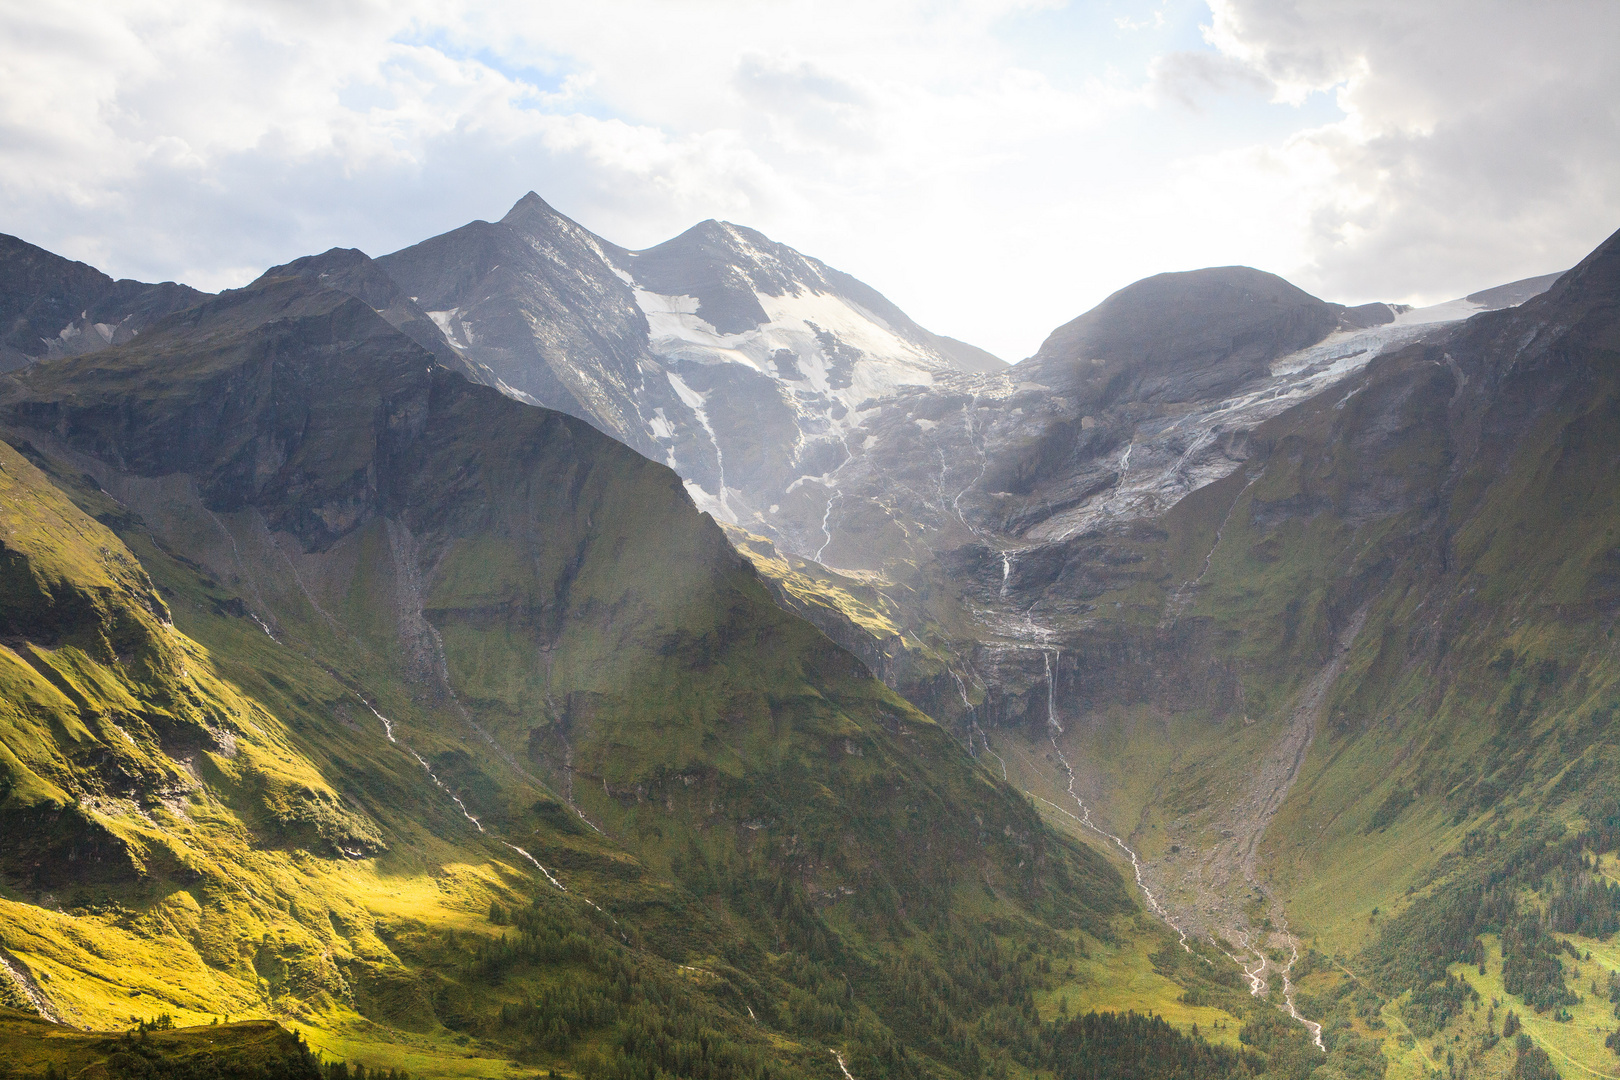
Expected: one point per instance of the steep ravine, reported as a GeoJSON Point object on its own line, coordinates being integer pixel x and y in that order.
{"type": "Point", "coordinates": [1212, 888]}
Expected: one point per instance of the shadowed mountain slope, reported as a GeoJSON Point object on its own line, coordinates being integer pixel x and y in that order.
{"type": "Point", "coordinates": [1300, 612]}
{"type": "Point", "coordinates": [601, 734]}
{"type": "Point", "coordinates": [51, 306]}
{"type": "Point", "coordinates": [1185, 336]}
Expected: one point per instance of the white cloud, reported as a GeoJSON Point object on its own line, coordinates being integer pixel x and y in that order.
{"type": "Point", "coordinates": [1191, 77]}
{"type": "Point", "coordinates": [1481, 140]}
{"type": "Point", "coordinates": [995, 166]}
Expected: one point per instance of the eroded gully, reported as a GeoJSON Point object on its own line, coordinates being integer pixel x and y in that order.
{"type": "Point", "coordinates": [388, 732]}
{"type": "Point", "coordinates": [1203, 897]}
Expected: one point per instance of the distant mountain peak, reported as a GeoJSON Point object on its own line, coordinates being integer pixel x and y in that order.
{"type": "Point", "coordinates": [529, 206]}
{"type": "Point", "coordinates": [51, 306]}
{"type": "Point", "coordinates": [1597, 275]}
{"type": "Point", "coordinates": [329, 261]}
{"type": "Point", "coordinates": [1195, 331]}
{"type": "Point", "coordinates": [537, 220]}
{"type": "Point", "coordinates": [738, 361]}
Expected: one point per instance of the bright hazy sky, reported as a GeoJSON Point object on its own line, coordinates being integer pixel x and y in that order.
{"type": "Point", "coordinates": [994, 166]}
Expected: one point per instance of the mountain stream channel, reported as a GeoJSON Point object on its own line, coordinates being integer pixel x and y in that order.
{"type": "Point", "coordinates": [1207, 896]}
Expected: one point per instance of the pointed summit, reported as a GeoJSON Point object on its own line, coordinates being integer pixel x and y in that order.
{"type": "Point", "coordinates": [527, 208]}
{"type": "Point", "coordinates": [1595, 278]}
{"type": "Point", "coordinates": [535, 219]}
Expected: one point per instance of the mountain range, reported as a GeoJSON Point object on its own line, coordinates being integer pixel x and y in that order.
{"type": "Point", "coordinates": [517, 654]}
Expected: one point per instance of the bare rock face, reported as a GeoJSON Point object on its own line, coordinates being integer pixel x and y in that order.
{"type": "Point", "coordinates": [1181, 337]}
{"type": "Point", "coordinates": [803, 406]}
{"type": "Point", "coordinates": [739, 362]}
{"type": "Point", "coordinates": [51, 306]}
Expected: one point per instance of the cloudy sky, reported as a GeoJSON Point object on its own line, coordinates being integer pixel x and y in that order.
{"type": "Point", "coordinates": [994, 166]}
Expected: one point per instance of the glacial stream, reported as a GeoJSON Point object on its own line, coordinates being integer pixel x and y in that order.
{"type": "Point", "coordinates": [1255, 973]}
{"type": "Point", "coordinates": [1054, 729]}
{"type": "Point", "coordinates": [388, 730]}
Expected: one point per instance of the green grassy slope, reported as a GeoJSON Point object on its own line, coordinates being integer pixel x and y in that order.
{"type": "Point", "coordinates": [623, 813]}
{"type": "Point", "coordinates": [253, 1048]}
{"type": "Point", "coordinates": [1460, 497]}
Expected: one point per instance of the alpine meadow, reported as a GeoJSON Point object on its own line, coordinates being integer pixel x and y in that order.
{"type": "Point", "coordinates": [530, 655]}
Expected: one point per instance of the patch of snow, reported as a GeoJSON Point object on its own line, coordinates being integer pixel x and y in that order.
{"type": "Point", "coordinates": [1450, 311]}
{"type": "Point", "coordinates": [660, 425]}
{"type": "Point", "coordinates": [689, 397]}
{"type": "Point", "coordinates": [1169, 456]}
{"type": "Point", "coordinates": [696, 401]}
{"type": "Point", "coordinates": [458, 332]}
{"type": "Point", "coordinates": [824, 479]}
{"type": "Point", "coordinates": [706, 502]}
{"type": "Point", "coordinates": [442, 319]}
{"type": "Point", "coordinates": [868, 359]}
{"type": "Point", "coordinates": [509, 391]}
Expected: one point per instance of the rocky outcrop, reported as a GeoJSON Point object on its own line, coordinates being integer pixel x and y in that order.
{"type": "Point", "coordinates": [51, 306]}
{"type": "Point", "coordinates": [739, 362]}
{"type": "Point", "coordinates": [1181, 337]}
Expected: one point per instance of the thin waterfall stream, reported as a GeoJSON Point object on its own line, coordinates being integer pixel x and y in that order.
{"type": "Point", "coordinates": [388, 731]}
{"type": "Point", "coordinates": [1255, 974]}
{"type": "Point", "coordinates": [1054, 729]}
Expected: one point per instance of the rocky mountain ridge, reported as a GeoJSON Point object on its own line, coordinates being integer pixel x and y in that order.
{"type": "Point", "coordinates": [1296, 611]}
{"type": "Point", "coordinates": [735, 360]}
{"type": "Point", "coordinates": [344, 690]}
{"type": "Point", "coordinates": [50, 306]}
{"type": "Point", "coordinates": [801, 405]}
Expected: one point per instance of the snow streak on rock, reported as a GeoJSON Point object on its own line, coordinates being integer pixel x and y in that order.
{"type": "Point", "coordinates": [1171, 455]}
{"type": "Point", "coordinates": [700, 495]}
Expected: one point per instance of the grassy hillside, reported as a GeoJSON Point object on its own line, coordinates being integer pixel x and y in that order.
{"type": "Point", "coordinates": [1422, 564]}
{"type": "Point", "coordinates": [350, 693]}
{"type": "Point", "coordinates": [29, 1046]}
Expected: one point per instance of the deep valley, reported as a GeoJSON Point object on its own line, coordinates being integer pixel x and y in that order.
{"type": "Point", "coordinates": [518, 655]}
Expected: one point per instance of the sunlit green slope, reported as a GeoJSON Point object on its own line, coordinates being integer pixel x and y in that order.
{"type": "Point", "coordinates": [1425, 564]}
{"type": "Point", "coordinates": [473, 749]}
{"type": "Point", "coordinates": [29, 1046]}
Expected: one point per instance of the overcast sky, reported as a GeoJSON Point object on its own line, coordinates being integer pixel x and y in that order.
{"type": "Point", "coordinates": [994, 166]}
